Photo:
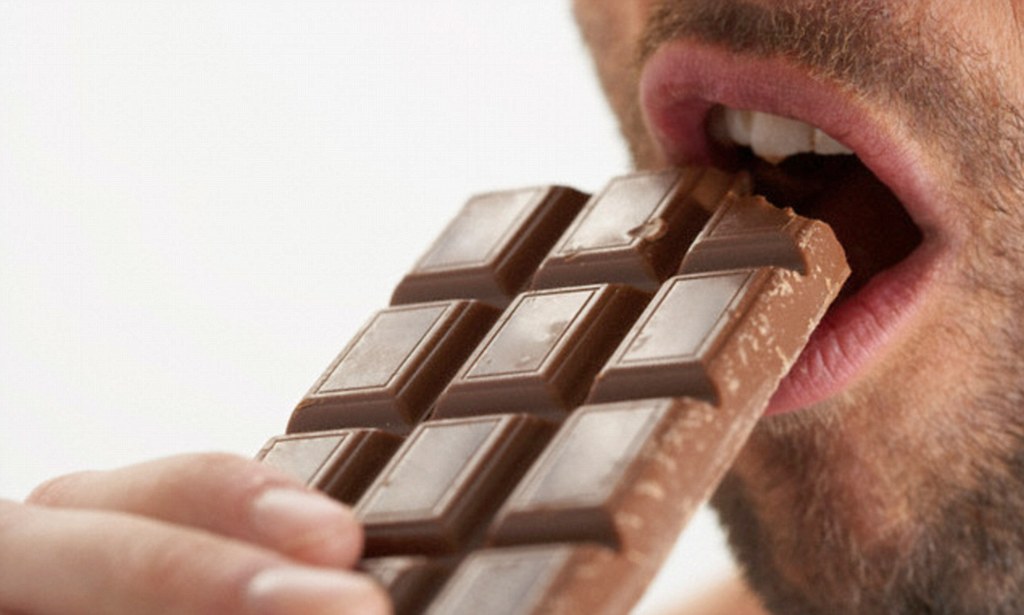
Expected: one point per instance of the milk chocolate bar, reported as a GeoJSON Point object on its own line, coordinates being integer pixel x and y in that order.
{"type": "Point", "coordinates": [558, 384]}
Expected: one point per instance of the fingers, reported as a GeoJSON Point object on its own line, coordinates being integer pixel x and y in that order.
{"type": "Point", "coordinates": [223, 494]}
{"type": "Point", "coordinates": [82, 561]}
{"type": "Point", "coordinates": [198, 534]}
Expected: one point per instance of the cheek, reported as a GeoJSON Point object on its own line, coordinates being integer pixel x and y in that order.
{"type": "Point", "coordinates": [991, 39]}
{"type": "Point", "coordinates": [611, 27]}
{"type": "Point", "coordinates": [612, 30]}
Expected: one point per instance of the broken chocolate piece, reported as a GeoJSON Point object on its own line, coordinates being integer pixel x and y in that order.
{"type": "Point", "coordinates": [745, 232]}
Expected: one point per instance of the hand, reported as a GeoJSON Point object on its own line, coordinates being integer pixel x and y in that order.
{"type": "Point", "coordinates": [206, 533]}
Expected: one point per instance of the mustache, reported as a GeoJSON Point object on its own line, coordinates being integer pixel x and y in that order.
{"type": "Point", "coordinates": [853, 41]}
{"type": "Point", "coordinates": [904, 60]}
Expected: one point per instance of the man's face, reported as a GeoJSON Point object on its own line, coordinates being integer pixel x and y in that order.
{"type": "Point", "coordinates": [890, 476]}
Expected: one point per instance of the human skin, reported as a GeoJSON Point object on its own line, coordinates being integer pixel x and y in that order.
{"type": "Point", "coordinates": [205, 533]}
{"type": "Point", "coordinates": [893, 479]}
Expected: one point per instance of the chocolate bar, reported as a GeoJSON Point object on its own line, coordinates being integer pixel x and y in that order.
{"type": "Point", "coordinates": [558, 383]}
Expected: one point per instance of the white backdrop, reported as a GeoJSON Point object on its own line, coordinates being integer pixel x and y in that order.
{"type": "Point", "coordinates": [201, 201]}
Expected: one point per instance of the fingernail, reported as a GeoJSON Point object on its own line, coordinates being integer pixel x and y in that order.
{"type": "Point", "coordinates": [312, 591]}
{"type": "Point", "coordinates": [308, 526]}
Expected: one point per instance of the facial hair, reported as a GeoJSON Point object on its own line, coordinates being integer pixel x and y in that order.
{"type": "Point", "coordinates": [955, 542]}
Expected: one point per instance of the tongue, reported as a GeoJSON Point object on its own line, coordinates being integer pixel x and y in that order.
{"type": "Point", "coordinates": [868, 219]}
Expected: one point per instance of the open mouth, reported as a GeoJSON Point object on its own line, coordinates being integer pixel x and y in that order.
{"type": "Point", "coordinates": [819, 149]}
{"type": "Point", "coordinates": [797, 165]}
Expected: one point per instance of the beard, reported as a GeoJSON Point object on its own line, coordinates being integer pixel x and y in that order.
{"type": "Point", "coordinates": [964, 556]}
{"type": "Point", "coordinates": [906, 493]}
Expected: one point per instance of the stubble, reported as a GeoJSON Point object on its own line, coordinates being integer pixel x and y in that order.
{"type": "Point", "coordinates": [897, 534]}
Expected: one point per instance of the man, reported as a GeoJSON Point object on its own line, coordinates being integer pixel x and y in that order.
{"type": "Point", "coordinates": [888, 478]}
{"type": "Point", "coordinates": [892, 478]}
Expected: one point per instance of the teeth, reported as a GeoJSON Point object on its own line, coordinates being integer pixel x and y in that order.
{"type": "Point", "coordinates": [772, 137]}
{"type": "Point", "coordinates": [738, 125]}
{"type": "Point", "coordinates": [824, 144]}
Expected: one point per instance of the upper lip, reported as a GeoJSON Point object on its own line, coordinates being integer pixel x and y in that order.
{"type": "Point", "coordinates": [682, 81]}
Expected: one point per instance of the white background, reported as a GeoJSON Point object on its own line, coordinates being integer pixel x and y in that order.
{"type": "Point", "coordinates": [201, 201]}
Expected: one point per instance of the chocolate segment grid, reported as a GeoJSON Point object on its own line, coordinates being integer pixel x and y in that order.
{"type": "Point", "coordinates": [558, 448]}
{"type": "Point", "coordinates": [748, 232]}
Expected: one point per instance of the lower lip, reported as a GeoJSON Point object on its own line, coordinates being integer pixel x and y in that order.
{"type": "Point", "coordinates": [855, 334]}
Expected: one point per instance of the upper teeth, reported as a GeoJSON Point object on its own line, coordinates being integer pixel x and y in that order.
{"type": "Point", "coordinates": [772, 137]}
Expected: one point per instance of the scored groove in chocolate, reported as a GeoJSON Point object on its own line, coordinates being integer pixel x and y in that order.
{"type": "Point", "coordinates": [605, 499]}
